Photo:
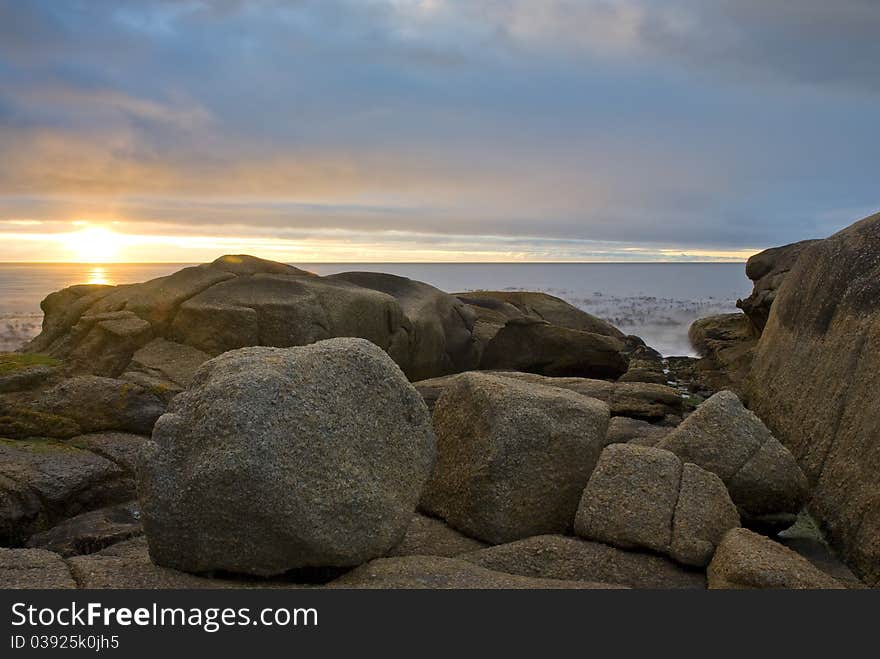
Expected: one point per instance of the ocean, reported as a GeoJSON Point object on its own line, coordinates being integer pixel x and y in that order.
{"type": "Point", "coordinates": [656, 301]}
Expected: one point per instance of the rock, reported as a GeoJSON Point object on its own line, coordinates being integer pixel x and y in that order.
{"type": "Point", "coordinates": [127, 564]}
{"type": "Point", "coordinates": [747, 560]}
{"type": "Point", "coordinates": [91, 531]}
{"type": "Point", "coordinates": [805, 538]}
{"type": "Point", "coordinates": [86, 404]}
{"type": "Point", "coordinates": [279, 459]}
{"type": "Point", "coordinates": [623, 430]}
{"type": "Point", "coordinates": [439, 326]}
{"type": "Point", "coordinates": [768, 269]}
{"type": "Point", "coordinates": [34, 568]}
{"type": "Point", "coordinates": [19, 371]}
{"type": "Point", "coordinates": [513, 457]}
{"type": "Point", "coordinates": [703, 513]}
{"type": "Point", "coordinates": [761, 475]}
{"type": "Point", "coordinates": [21, 422]}
{"type": "Point", "coordinates": [103, 342]}
{"type": "Point", "coordinates": [645, 365]}
{"type": "Point", "coordinates": [538, 347]}
{"type": "Point", "coordinates": [426, 536]}
{"type": "Point", "coordinates": [157, 332]}
{"type": "Point", "coordinates": [540, 306]}
{"type": "Point", "coordinates": [121, 448]}
{"type": "Point", "coordinates": [644, 497]}
{"type": "Point", "coordinates": [632, 399]}
{"type": "Point", "coordinates": [437, 572]}
{"type": "Point", "coordinates": [43, 482]}
{"type": "Point", "coordinates": [283, 311]}
{"type": "Point", "coordinates": [168, 361]}
{"type": "Point", "coordinates": [539, 333]}
{"type": "Point", "coordinates": [573, 559]}
{"type": "Point", "coordinates": [814, 381]}
{"type": "Point", "coordinates": [726, 343]}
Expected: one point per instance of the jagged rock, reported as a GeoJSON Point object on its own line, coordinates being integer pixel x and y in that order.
{"type": "Point", "coordinates": [426, 536]}
{"type": "Point", "coordinates": [747, 560]}
{"type": "Point", "coordinates": [43, 482]}
{"type": "Point", "coordinates": [632, 399]}
{"type": "Point", "coordinates": [536, 346]}
{"type": "Point", "coordinates": [437, 572]}
{"type": "Point", "coordinates": [91, 531]}
{"type": "Point", "coordinates": [768, 269]}
{"type": "Point", "coordinates": [726, 344]}
{"type": "Point", "coordinates": [624, 430]}
{"type": "Point", "coordinates": [644, 497]}
{"type": "Point", "coordinates": [761, 475]}
{"type": "Point", "coordinates": [33, 568]}
{"type": "Point", "coordinates": [645, 365]}
{"type": "Point", "coordinates": [513, 457]}
{"type": "Point", "coordinates": [279, 459]}
{"type": "Point", "coordinates": [815, 379]}
{"type": "Point", "coordinates": [443, 324]}
{"type": "Point", "coordinates": [573, 559]}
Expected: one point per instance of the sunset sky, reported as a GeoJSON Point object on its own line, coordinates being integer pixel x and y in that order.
{"type": "Point", "coordinates": [433, 130]}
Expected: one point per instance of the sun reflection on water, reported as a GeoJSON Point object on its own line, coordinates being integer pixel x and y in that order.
{"type": "Point", "coordinates": [98, 275]}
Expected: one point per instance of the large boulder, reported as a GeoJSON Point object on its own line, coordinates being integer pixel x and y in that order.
{"type": "Point", "coordinates": [540, 333]}
{"type": "Point", "coordinates": [494, 308]}
{"type": "Point", "coordinates": [747, 560]}
{"type": "Point", "coordinates": [815, 381]}
{"type": "Point", "coordinates": [574, 559]}
{"type": "Point", "coordinates": [158, 332]}
{"type": "Point", "coordinates": [536, 346]}
{"type": "Point", "coordinates": [437, 572]}
{"type": "Point", "coordinates": [43, 482]}
{"type": "Point", "coordinates": [768, 269]}
{"type": "Point", "coordinates": [278, 459]}
{"type": "Point", "coordinates": [638, 400]}
{"type": "Point", "coordinates": [641, 497]}
{"type": "Point", "coordinates": [762, 476]}
{"type": "Point", "coordinates": [513, 457]}
{"type": "Point", "coordinates": [443, 324]}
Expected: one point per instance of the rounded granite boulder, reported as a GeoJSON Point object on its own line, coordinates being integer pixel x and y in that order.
{"type": "Point", "coordinates": [277, 459]}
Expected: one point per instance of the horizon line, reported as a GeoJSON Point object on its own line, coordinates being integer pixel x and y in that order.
{"type": "Point", "coordinates": [94, 263]}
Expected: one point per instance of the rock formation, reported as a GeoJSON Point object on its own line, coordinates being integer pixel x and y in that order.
{"type": "Point", "coordinates": [815, 381]}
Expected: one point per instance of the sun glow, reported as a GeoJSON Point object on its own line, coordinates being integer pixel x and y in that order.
{"type": "Point", "coordinates": [94, 245]}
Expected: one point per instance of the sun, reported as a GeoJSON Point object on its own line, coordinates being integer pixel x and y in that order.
{"type": "Point", "coordinates": [94, 245]}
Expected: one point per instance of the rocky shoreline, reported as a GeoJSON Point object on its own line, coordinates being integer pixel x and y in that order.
{"type": "Point", "coordinates": [244, 423]}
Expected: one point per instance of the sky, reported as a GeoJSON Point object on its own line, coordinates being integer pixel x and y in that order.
{"type": "Point", "coordinates": [433, 130]}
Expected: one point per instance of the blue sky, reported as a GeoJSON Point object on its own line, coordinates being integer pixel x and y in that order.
{"type": "Point", "coordinates": [434, 130]}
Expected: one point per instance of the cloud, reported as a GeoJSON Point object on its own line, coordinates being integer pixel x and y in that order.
{"type": "Point", "coordinates": [714, 125]}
